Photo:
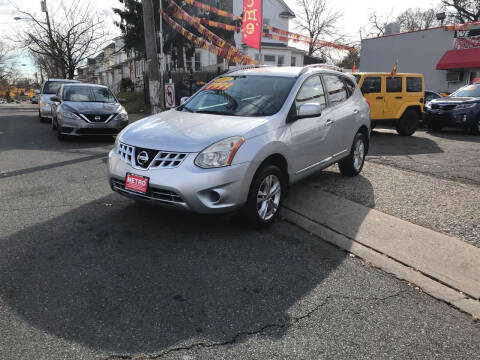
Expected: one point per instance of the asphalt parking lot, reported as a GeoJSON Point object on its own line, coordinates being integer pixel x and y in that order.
{"type": "Point", "coordinates": [87, 274]}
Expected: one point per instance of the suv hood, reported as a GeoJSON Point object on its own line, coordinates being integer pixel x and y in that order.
{"type": "Point", "coordinates": [188, 132]}
{"type": "Point", "coordinates": [96, 108]}
{"type": "Point", "coordinates": [454, 100]}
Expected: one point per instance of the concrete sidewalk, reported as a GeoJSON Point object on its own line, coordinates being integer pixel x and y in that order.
{"type": "Point", "coordinates": [443, 266]}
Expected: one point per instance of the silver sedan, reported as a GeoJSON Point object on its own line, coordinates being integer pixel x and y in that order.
{"type": "Point", "coordinates": [240, 141]}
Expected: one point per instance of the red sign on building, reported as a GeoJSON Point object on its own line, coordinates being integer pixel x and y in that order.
{"type": "Point", "coordinates": [252, 25]}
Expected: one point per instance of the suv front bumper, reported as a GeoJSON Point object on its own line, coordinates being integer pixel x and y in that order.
{"type": "Point", "coordinates": [187, 186]}
{"type": "Point", "coordinates": [465, 118]}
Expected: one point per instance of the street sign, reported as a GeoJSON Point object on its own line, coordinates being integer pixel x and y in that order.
{"type": "Point", "coordinates": [170, 95]}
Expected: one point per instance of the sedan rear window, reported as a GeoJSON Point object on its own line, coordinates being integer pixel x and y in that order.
{"type": "Point", "coordinates": [52, 87]}
{"type": "Point", "coordinates": [245, 95]}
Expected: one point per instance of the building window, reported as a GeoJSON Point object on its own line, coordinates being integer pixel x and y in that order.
{"type": "Point", "coordinates": [293, 62]}
{"type": "Point", "coordinates": [269, 58]}
{"type": "Point", "coordinates": [138, 69]}
{"type": "Point", "coordinates": [198, 65]}
{"type": "Point", "coordinates": [281, 60]}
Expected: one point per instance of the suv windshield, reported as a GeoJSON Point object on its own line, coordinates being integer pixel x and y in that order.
{"type": "Point", "coordinates": [88, 94]}
{"type": "Point", "coordinates": [468, 91]}
{"type": "Point", "coordinates": [242, 96]}
{"type": "Point", "coordinates": [51, 87]}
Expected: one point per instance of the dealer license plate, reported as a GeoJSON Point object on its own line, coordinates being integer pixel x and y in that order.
{"type": "Point", "coordinates": [136, 183]}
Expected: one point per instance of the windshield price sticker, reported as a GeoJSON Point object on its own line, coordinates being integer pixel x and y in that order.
{"type": "Point", "coordinates": [221, 84]}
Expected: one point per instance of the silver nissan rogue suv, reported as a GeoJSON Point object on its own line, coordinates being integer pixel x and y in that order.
{"type": "Point", "coordinates": [242, 139]}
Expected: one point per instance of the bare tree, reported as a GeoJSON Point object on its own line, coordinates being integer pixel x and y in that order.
{"type": "Point", "coordinates": [417, 19]}
{"type": "Point", "coordinates": [319, 21]}
{"type": "Point", "coordinates": [74, 34]}
{"type": "Point", "coordinates": [409, 20]}
{"type": "Point", "coordinates": [466, 10]}
{"type": "Point", "coordinates": [376, 24]}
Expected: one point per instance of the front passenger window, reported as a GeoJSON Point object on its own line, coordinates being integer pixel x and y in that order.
{"type": "Point", "coordinates": [311, 93]}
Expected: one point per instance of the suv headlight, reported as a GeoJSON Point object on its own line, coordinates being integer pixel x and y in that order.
{"type": "Point", "coordinates": [465, 106]}
{"type": "Point", "coordinates": [219, 154]}
{"type": "Point", "coordinates": [70, 115]}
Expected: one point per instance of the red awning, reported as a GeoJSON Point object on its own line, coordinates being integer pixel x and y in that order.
{"type": "Point", "coordinates": [460, 59]}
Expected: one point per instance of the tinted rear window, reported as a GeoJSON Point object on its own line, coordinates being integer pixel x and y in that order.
{"type": "Point", "coordinates": [51, 87]}
{"type": "Point", "coordinates": [394, 84]}
{"type": "Point", "coordinates": [414, 84]}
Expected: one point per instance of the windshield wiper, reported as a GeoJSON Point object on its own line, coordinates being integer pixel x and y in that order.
{"type": "Point", "coordinates": [212, 112]}
{"type": "Point", "coordinates": [188, 109]}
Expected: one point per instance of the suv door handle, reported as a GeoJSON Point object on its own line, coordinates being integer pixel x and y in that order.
{"type": "Point", "coordinates": [329, 122]}
{"type": "Point", "coordinates": [398, 97]}
{"type": "Point", "coordinates": [356, 111]}
{"type": "Point", "coordinates": [379, 97]}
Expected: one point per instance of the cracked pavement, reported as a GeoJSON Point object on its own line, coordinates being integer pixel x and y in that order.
{"type": "Point", "coordinates": [87, 274]}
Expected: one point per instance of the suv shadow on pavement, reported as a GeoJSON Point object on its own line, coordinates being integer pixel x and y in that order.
{"type": "Point", "coordinates": [390, 144]}
{"type": "Point", "coordinates": [455, 134]}
{"type": "Point", "coordinates": [125, 278]}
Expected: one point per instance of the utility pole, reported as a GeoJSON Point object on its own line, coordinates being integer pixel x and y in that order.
{"type": "Point", "coordinates": [162, 59]}
{"type": "Point", "coordinates": [154, 90]}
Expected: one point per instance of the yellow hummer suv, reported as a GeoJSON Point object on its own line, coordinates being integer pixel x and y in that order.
{"type": "Point", "coordinates": [396, 99]}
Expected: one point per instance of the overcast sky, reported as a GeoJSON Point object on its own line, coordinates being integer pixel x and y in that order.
{"type": "Point", "coordinates": [355, 14]}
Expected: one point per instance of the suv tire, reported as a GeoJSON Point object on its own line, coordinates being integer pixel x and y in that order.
{"type": "Point", "coordinates": [265, 197]}
{"type": "Point", "coordinates": [408, 123]}
{"type": "Point", "coordinates": [352, 165]}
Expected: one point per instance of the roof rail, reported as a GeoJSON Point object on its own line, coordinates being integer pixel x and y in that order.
{"type": "Point", "coordinates": [320, 66]}
{"type": "Point", "coordinates": [246, 67]}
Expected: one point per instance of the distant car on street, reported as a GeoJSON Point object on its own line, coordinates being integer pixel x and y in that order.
{"type": "Point", "coordinates": [87, 109]}
{"type": "Point", "coordinates": [34, 99]}
{"type": "Point", "coordinates": [49, 89]}
{"type": "Point", "coordinates": [394, 99]}
{"type": "Point", "coordinates": [242, 139]}
{"type": "Point", "coordinates": [3, 101]}
{"type": "Point", "coordinates": [460, 109]}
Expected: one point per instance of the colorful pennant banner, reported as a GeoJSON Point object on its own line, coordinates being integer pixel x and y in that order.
{"type": "Point", "coordinates": [230, 55]}
{"type": "Point", "coordinates": [210, 36]}
{"type": "Point", "coordinates": [212, 9]}
{"type": "Point", "coordinates": [465, 26]}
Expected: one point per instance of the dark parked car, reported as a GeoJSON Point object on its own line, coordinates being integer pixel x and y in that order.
{"type": "Point", "coordinates": [461, 109]}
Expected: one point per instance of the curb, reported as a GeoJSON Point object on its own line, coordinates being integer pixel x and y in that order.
{"type": "Point", "coordinates": [384, 262]}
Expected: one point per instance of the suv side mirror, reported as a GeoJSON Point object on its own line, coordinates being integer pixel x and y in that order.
{"type": "Point", "coordinates": [309, 111]}
{"type": "Point", "coordinates": [55, 99]}
{"type": "Point", "coordinates": [37, 91]}
{"type": "Point", "coordinates": [183, 100]}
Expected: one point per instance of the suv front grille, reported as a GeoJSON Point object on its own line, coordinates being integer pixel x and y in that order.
{"type": "Point", "coordinates": [157, 159]}
{"type": "Point", "coordinates": [443, 107]}
{"type": "Point", "coordinates": [157, 194]}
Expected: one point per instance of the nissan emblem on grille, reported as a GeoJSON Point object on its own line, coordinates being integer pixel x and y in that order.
{"type": "Point", "coordinates": [98, 118]}
{"type": "Point", "coordinates": [142, 158]}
